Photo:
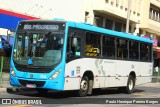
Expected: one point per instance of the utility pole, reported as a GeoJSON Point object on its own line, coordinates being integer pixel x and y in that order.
{"type": "Point", "coordinates": [128, 16]}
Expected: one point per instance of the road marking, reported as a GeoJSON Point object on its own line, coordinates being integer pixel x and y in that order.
{"type": "Point", "coordinates": [23, 105]}
{"type": "Point", "coordinates": [138, 94]}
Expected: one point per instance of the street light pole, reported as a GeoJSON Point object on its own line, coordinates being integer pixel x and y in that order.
{"type": "Point", "coordinates": [128, 16]}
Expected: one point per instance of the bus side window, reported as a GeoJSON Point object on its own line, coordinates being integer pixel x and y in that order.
{"type": "Point", "coordinates": [145, 52]}
{"type": "Point", "coordinates": [108, 46]}
{"type": "Point", "coordinates": [133, 50]}
{"type": "Point", "coordinates": [92, 47]}
{"type": "Point", "coordinates": [122, 49]}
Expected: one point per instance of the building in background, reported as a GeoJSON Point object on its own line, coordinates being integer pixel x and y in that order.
{"type": "Point", "coordinates": [150, 19]}
{"type": "Point", "coordinates": [112, 14]}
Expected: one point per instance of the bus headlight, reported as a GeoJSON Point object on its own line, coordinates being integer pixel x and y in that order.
{"type": "Point", "coordinates": [55, 75]}
{"type": "Point", "coordinates": [13, 72]}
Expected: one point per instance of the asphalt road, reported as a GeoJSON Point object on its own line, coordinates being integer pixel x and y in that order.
{"type": "Point", "coordinates": [98, 99]}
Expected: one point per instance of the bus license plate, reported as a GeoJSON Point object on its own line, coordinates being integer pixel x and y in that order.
{"type": "Point", "coordinates": [31, 85]}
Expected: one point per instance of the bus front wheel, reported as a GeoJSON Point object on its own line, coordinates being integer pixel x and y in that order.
{"type": "Point", "coordinates": [84, 87]}
{"type": "Point", "coordinates": [130, 85]}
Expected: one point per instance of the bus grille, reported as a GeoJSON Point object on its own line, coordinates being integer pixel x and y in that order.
{"type": "Point", "coordinates": [37, 83]}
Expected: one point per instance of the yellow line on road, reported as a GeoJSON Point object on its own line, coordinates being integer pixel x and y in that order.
{"type": "Point", "coordinates": [23, 105]}
{"type": "Point", "coordinates": [138, 94]}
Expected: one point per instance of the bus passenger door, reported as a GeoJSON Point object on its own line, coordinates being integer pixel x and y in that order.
{"type": "Point", "coordinates": [73, 59]}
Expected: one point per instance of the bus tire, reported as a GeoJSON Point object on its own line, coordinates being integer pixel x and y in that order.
{"type": "Point", "coordinates": [130, 85]}
{"type": "Point", "coordinates": [84, 87]}
{"type": "Point", "coordinates": [42, 91]}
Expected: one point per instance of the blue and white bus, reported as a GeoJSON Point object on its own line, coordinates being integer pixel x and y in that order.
{"type": "Point", "coordinates": [65, 55]}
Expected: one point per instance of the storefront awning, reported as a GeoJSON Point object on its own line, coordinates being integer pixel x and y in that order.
{"type": "Point", "coordinates": [156, 52]}
{"type": "Point", "coordinates": [9, 20]}
{"type": "Point", "coordinates": [156, 48]}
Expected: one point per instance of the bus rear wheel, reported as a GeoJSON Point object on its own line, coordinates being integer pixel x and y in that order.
{"type": "Point", "coordinates": [84, 87]}
{"type": "Point", "coordinates": [130, 85]}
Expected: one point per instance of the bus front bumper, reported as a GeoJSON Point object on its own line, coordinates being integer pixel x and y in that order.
{"type": "Point", "coordinates": [35, 83]}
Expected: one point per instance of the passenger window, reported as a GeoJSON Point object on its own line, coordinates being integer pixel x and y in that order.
{"type": "Point", "coordinates": [108, 47]}
{"type": "Point", "coordinates": [145, 52]}
{"type": "Point", "coordinates": [133, 50]}
{"type": "Point", "coordinates": [122, 49]}
{"type": "Point", "coordinates": [92, 47]}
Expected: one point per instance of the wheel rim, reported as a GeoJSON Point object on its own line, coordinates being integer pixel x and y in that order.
{"type": "Point", "coordinates": [84, 85]}
{"type": "Point", "coordinates": [130, 85]}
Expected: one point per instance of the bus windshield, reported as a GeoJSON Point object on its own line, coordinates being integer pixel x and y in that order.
{"type": "Point", "coordinates": [38, 48]}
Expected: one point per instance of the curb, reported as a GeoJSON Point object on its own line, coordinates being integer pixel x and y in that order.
{"type": "Point", "coordinates": [2, 90]}
{"type": "Point", "coordinates": [155, 84]}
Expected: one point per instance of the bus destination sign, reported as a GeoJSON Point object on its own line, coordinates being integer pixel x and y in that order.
{"type": "Point", "coordinates": [41, 27]}
{"type": "Point", "coordinates": [53, 26]}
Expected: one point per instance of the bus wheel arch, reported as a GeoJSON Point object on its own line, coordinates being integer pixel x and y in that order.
{"type": "Point", "coordinates": [133, 74]}
{"type": "Point", "coordinates": [86, 84]}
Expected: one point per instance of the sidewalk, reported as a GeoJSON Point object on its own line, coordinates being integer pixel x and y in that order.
{"type": "Point", "coordinates": [5, 85]}
{"type": "Point", "coordinates": [15, 89]}
{"type": "Point", "coordinates": [155, 84]}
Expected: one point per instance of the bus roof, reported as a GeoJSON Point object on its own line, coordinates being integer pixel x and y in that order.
{"type": "Point", "coordinates": [109, 32]}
